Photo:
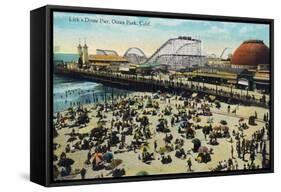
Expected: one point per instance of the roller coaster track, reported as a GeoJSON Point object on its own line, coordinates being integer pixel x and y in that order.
{"type": "Point", "coordinates": [177, 51]}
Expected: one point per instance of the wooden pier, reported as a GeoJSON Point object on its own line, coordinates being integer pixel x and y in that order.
{"type": "Point", "coordinates": [140, 83]}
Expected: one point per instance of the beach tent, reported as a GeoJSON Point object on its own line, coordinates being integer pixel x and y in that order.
{"type": "Point", "coordinates": [97, 157]}
{"type": "Point", "coordinates": [144, 147]}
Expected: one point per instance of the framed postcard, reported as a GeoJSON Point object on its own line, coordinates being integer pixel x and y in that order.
{"type": "Point", "coordinates": [121, 95]}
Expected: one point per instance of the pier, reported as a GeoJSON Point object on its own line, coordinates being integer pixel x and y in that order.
{"type": "Point", "coordinates": [152, 84]}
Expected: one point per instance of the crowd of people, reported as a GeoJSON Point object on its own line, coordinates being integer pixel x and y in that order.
{"type": "Point", "coordinates": [154, 131]}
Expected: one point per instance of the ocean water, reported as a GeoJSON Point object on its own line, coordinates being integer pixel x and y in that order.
{"type": "Point", "coordinates": [71, 92]}
{"type": "Point", "coordinates": [68, 92]}
{"type": "Point", "coordinates": [66, 57]}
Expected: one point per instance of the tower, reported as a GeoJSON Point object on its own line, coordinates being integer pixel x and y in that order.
{"type": "Point", "coordinates": [85, 54]}
{"type": "Point", "coordinates": [80, 54]}
{"type": "Point", "coordinates": [79, 50]}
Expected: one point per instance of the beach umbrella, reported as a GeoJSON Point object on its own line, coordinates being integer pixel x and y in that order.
{"type": "Point", "coordinates": [196, 141]}
{"type": "Point", "coordinates": [223, 122]}
{"type": "Point", "coordinates": [145, 147]}
{"type": "Point", "coordinates": [142, 173]}
{"type": "Point", "coordinates": [203, 149]}
{"type": "Point", "coordinates": [183, 124]}
{"type": "Point", "coordinates": [71, 139]}
{"type": "Point", "coordinates": [107, 156]}
{"type": "Point", "coordinates": [212, 97]}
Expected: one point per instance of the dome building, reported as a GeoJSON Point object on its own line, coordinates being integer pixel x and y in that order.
{"type": "Point", "coordinates": [251, 54]}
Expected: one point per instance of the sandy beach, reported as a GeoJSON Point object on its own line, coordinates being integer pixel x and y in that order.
{"type": "Point", "coordinates": [131, 162]}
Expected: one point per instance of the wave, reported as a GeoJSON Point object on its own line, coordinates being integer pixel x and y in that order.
{"type": "Point", "coordinates": [74, 86]}
{"type": "Point", "coordinates": [69, 92]}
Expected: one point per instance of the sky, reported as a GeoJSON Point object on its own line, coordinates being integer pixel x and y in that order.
{"type": "Point", "coordinates": [119, 33]}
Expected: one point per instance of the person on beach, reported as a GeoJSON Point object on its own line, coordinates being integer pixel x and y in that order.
{"type": "Point", "coordinates": [189, 164]}
{"type": "Point", "coordinates": [205, 135]}
{"type": "Point", "coordinates": [116, 133]}
{"type": "Point", "coordinates": [155, 145]}
{"type": "Point", "coordinates": [83, 173]}
{"type": "Point", "coordinates": [236, 165]}
{"type": "Point", "coordinates": [252, 158]}
{"type": "Point", "coordinates": [238, 149]}
{"type": "Point", "coordinates": [228, 109]}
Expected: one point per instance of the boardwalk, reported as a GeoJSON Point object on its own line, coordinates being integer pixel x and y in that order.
{"type": "Point", "coordinates": [142, 83]}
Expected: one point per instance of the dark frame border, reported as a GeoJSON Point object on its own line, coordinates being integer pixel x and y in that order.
{"type": "Point", "coordinates": [49, 83]}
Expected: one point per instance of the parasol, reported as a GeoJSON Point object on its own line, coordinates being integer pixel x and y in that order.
{"type": "Point", "coordinates": [145, 147]}
{"type": "Point", "coordinates": [196, 141]}
{"type": "Point", "coordinates": [203, 149]}
{"type": "Point", "coordinates": [223, 122]}
{"type": "Point", "coordinates": [107, 156]}
{"type": "Point", "coordinates": [97, 157]}
{"type": "Point", "coordinates": [212, 97]}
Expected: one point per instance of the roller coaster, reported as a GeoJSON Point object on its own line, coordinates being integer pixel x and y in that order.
{"type": "Point", "coordinates": [135, 55]}
{"type": "Point", "coordinates": [175, 54]}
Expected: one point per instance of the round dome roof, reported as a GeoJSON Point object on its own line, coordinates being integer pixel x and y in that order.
{"type": "Point", "coordinates": [251, 52]}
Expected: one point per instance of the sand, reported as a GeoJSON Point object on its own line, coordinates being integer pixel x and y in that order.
{"type": "Point", "coordinates": [133, 165]}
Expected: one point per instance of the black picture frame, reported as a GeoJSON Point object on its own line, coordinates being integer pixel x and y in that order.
{"type": "Point", "coordinates": [41, 57]}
